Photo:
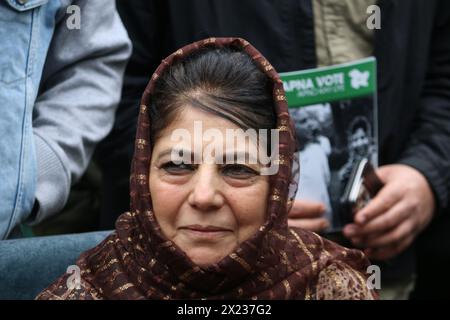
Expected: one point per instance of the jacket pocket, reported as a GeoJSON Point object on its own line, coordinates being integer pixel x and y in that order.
{"type": "Point", "coordinates": [16, 21]}
{"type": "Point", "coordinates": [24, 5]}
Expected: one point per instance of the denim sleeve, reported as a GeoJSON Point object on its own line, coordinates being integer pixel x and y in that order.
{"type": "Point", "coordinates": [79, 92]}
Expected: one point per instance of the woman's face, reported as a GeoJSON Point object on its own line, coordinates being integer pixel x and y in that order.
{"type": "Point", "coordinates": [206, 208]}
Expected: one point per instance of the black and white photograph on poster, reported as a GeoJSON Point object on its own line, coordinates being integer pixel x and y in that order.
{"type": "Point", "coordinates": [332, 139]}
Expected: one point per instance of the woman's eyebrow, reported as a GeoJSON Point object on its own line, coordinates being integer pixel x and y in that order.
{"type": "Point", "coordinates": [227, 157]}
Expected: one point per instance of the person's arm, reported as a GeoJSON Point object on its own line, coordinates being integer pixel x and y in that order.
{"type": "Point", "coordinates": [79, 92]}
{"type": "Point", "coordinates": [428, 149]}
{"type": "Point", "coordinates": [417, 186]}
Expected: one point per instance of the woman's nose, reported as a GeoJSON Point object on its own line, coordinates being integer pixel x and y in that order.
{"type": "Point", "coordinates": [205, 194]}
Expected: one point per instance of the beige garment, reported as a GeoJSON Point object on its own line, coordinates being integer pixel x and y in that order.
{"type": "Point", "coordinates": [340, 31]}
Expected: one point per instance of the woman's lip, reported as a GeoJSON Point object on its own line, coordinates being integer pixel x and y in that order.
{"type": "Point", "coordinates": [205, 233]}
{"type": "Point", "coordinates": [205, 229]}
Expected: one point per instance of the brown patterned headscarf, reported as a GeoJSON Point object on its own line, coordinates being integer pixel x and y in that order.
{"type": "Point", "coordinates": [138, 262]}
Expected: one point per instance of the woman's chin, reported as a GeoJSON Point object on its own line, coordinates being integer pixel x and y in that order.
{"type": "Point", "coordinates": [205, 257]}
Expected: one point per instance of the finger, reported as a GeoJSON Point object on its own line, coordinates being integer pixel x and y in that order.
{"type": "Point", "coordinates": [361, 241]}
{"type": "Point", "coordinates": [358, 242]}
{"type": "Point", "coordinates": [306, 209]}
{"type": "Point", "coordinates": [383, 201]}
{"type": "Point", "coordinates": [385, 253]}
{"type": "Point", "coordinates": [382, 223]}
{"type": "Point", "coordinates": [316, 225]}
{"type": "Point", "coordinates": [391, 238]}
{"type": "Point", "coordinates": [351, 230]}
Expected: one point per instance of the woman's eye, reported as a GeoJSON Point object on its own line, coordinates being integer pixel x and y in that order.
{"type": "Point", "coordinates": [239, 171]}
{"type": "Point", "coordinates": [177, 168]}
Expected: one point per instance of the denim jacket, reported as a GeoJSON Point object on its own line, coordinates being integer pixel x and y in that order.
{"type": "Point", "coordinates": [59, 88]}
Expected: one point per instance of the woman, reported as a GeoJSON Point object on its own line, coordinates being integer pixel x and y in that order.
{"type": "Point", "coordinates": [207, 229]}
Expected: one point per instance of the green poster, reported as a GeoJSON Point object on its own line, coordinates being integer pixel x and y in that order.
{"type": "Point", "coordinates": [335, 114]}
